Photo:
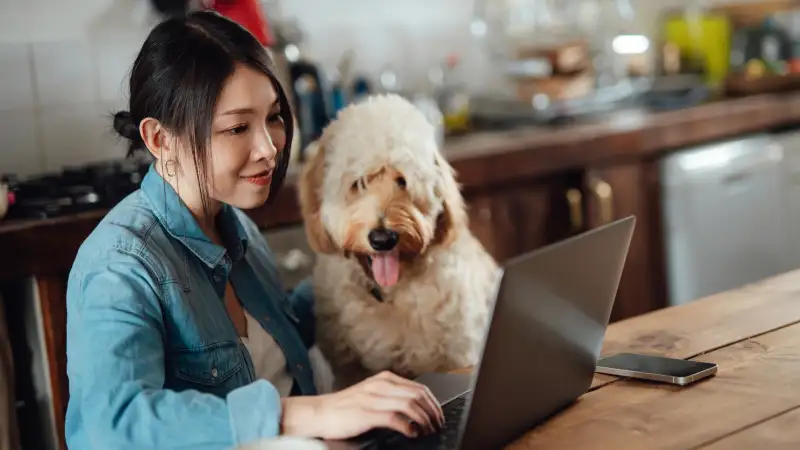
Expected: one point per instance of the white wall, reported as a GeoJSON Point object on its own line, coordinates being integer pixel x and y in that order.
{"type": "Point", "coordinates": [63, 63]}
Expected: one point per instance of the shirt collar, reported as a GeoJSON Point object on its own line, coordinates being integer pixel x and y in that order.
{"type": "Point", "coordinates": [176, 218]}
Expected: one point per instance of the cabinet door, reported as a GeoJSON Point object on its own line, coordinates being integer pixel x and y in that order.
{"type": "Point", "coordinates": [617, 191]}
{"type": "Point", "coordinates": [546, 211]}
{"type": "Point", "coordinates": [486, 212]}
{"type": "Point", "coordinates": [515, 219]}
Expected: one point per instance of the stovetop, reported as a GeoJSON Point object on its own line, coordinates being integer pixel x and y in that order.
{"type": "Point", "coordinates": [74, 190]}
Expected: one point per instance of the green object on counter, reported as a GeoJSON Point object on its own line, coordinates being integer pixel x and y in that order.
{"type": "Point", "coordinates": [706, 37]}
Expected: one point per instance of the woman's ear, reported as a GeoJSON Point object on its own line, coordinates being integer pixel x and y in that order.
{"type": "Point", "coordinates": [453, 216]}
{"type": "Point", "coordinates": [155, 138]}
{"type": "Point", "coordinates": [309, 187]}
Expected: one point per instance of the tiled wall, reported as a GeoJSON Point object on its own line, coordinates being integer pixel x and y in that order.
{"type": "Point", "coordinates": [55, 101]}
{"type": "Point", "coordinates": [63, 64]}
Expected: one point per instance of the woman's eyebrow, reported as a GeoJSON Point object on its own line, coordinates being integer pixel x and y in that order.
{"type": "Point", "coordinates": [247, 110]}
{"type": "Point", "coordinates": [239, 111]}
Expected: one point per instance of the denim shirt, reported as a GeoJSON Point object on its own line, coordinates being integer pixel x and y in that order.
{"type": "Point", "coordinates": [153, 359]}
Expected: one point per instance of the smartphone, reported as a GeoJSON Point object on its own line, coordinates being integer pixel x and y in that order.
{"type": "Point", "coordinates": [655, 368]}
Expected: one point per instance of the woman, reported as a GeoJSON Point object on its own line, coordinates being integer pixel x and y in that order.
{"type": "Point", "coordinates": [179, 334]}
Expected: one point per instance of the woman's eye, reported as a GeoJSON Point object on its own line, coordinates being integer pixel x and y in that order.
{"type": "Point", "coordinates": [275, 118]}
{"type": "Point", "coordinates": [239, 129]}
{"type": "Point", "coordinates": [400, 182]}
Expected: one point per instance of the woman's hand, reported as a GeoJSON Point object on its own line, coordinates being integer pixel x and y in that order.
{"type": "Point", "coordinates": [382, 401]}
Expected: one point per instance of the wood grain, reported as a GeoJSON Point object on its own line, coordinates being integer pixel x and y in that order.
{"type": "Point", "coordinates": [757, 378]}
{"type": "Point", "coordinates": [774, 433]}
{"type": "Point", "coordinates": [52, 294]}
{"type": "Point", "coordinates": [707, 324]}
{"type": "Point", "coordinates": [690, 330]}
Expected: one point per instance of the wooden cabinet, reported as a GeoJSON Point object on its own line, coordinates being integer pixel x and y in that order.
{"type": "Point", "coordinates": [517, 218]}
{"type": "Point", "coordinates": [620, 190]}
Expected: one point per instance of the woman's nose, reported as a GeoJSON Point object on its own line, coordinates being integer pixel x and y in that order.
{"type": "Point", "coordinates": [265, 147]}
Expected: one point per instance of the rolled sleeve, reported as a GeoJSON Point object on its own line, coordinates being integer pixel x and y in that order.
{"type": "Point", "coordinates": [251, 424]}
{"type": "Point", "coordinates": [115, 351]}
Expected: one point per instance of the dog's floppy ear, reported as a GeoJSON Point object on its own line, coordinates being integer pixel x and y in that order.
{"type": "Point", "coordinates": [309, 188]}
{"type": "Point", "coordinates": [454, 216]}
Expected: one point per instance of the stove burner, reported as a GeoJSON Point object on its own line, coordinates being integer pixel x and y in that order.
{"type": "Point", "coordinates": [74, 190]}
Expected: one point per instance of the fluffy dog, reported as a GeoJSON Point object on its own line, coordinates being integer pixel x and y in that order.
{"type": "Point", "coordinates": [400, 282]}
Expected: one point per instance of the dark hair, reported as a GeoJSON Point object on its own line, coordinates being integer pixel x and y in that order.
{"type": "Point", "coordinates": [178, 76]}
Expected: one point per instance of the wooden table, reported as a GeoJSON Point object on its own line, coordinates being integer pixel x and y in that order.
{"type": "Point", "coordinates": [752, 333]}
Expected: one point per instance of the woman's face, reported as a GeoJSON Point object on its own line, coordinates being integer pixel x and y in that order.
{"type": "Point", "coordinates": [247, 133]}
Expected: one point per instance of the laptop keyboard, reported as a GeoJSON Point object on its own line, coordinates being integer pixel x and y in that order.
{"type": "Point", "coordinates": [445, 439]}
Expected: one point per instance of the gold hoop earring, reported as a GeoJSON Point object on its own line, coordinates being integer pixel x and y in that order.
{"type": "Point", "coordinates": [170, 168]}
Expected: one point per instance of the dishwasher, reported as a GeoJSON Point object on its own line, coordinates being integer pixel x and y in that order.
{"type": "Point", "coordinates": [790, 142]}
{"type": "Point", "coordinates": [724, 216]}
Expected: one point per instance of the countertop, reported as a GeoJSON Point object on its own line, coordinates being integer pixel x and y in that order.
{"type": "Point", "coordinates": [481, 160]}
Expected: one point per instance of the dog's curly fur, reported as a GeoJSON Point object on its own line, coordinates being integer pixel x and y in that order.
{"type": "Point", "coordinates": [378, 165]}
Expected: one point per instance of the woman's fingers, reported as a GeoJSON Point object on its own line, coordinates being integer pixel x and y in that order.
{"type": "Point", "coordinates": [404, 387]}
{"type": "Point", "coordinates": [409, 407]}
{"type": "Point", "coordinates": [392, 421]}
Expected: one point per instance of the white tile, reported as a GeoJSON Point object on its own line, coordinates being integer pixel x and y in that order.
{"type": "Point", "coordinates": [113, 60]}
{"type": "Point", "coordinates": [78, 134]}
{"type": "Point", "coordinates": [64, 73]}
{"type": "Point", "coordinates": [16, 90]}
{"type": "Point", "coordinates": [20, 152]}
{"type": "Point", "coordinates": [109, 144]}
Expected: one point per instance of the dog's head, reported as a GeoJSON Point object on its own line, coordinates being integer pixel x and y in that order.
{"type": "Point", "coordinates": [378, 189]}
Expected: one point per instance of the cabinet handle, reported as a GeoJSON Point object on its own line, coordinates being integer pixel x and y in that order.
{"type": "Point", "coordinates": [575, 200]}
{"type": "Point", "coordinates": [605, 198]}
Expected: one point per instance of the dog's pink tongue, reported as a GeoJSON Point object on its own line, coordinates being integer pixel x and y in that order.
{"type": "Point", "coordinates": [386, 268]}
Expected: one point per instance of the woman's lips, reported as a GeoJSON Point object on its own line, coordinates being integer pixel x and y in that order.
{"type": "Point", "coordinates": [261, 179]}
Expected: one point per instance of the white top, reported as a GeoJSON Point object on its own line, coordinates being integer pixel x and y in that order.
{"type": "Point", "coordinates": [269, 361]}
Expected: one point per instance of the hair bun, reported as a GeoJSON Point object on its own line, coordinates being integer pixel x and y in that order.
{"type": "Point", "coordinates": [125, 127]}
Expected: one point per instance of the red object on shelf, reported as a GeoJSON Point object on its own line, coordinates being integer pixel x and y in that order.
{"type": "Point", "coordinates": [247, 14]}
{"type": "Point", "coordinates": [794, 66]}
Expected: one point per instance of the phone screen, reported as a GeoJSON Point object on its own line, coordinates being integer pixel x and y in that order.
{"type": "Point", "coordinates": [654, 364]}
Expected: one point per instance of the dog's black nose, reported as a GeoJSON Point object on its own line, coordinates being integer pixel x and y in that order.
{"type": "Point", "coordinates": [382, 239]}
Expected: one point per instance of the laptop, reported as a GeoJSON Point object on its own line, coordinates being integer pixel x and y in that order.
{"type": "Point", "coordinates": [540, 349]}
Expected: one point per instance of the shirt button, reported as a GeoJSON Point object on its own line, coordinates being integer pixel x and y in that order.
{"type": "Point", "coordinates": [299, 367]}
{"type": "Point", "coordinates": [217, 278]}
{"type": "Point", "coordinates": [214, 372]}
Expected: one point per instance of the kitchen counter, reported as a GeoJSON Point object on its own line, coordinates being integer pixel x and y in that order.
{"type": "Point", "coordinates": [519, 185]}
{"type": "Point", "coordinates": [482, 160]}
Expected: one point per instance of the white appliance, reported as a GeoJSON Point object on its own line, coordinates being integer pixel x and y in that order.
{"type": "Point", "coordinates": [790, 142]}
{"type": "Point", "coordinates": [724, 216]}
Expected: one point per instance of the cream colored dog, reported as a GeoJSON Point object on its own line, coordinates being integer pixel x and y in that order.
{"type": "Point", "coordinates": [400, 282]}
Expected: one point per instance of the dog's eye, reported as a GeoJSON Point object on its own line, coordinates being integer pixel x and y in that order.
{"type": "Point", "coordinates": [400, 182]}
{"type": "Point", "coordinates": [359, 183]}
